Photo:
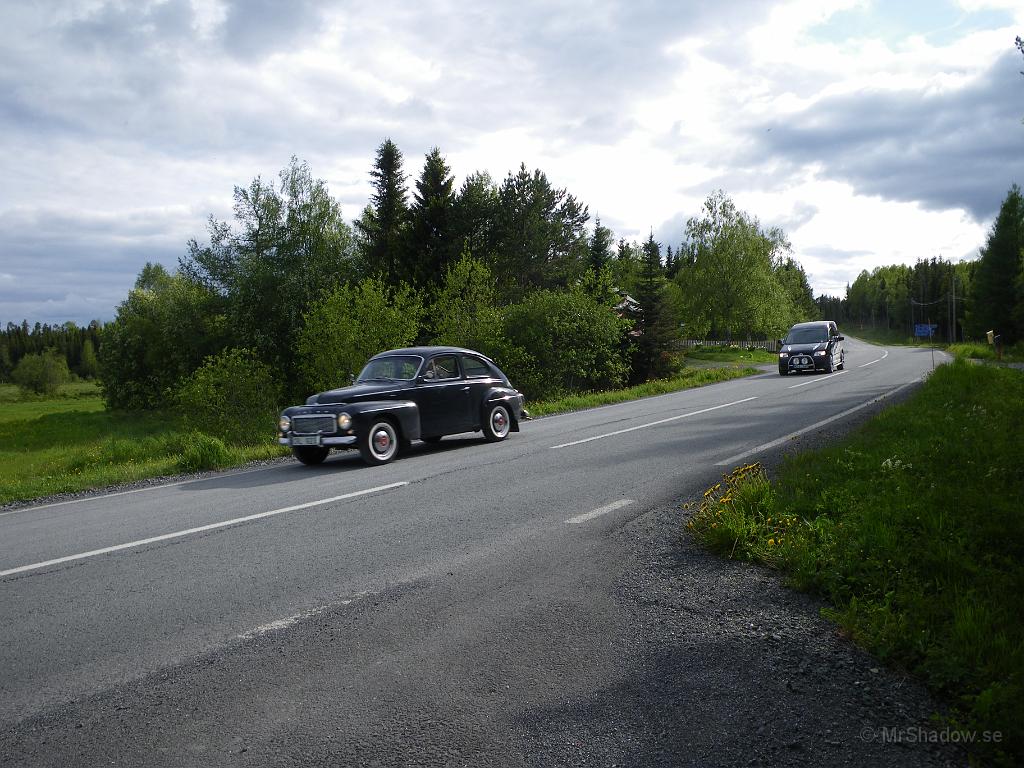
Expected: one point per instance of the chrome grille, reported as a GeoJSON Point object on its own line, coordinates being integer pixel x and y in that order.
{"type": "Point", "coordinates": [311, 425]}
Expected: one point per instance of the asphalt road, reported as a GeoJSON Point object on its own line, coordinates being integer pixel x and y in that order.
{"type": "Point", "coordinates": [468, 604]}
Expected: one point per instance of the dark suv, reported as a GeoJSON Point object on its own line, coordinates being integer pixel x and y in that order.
{"type": "Point", "coordinates": [813, 346]}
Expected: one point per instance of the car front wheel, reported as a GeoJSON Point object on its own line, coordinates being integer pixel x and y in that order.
{"type": "Point", "coordinates": [497, 423]}
{"type": "Point", "coordinates": [783, 371]}
{"type": "Point", "coordinates": [379, 444]}
{"type": "Point", "coordinates": [311, 455]}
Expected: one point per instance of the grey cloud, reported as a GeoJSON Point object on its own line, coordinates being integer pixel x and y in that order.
{"type": "Point", "coordinates": [957, 149]}
{"type": "Point", "coordinates": [253, 29]}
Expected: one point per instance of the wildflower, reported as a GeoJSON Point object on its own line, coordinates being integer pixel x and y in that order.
{"type": "Point", "coordinates": [771, 542]}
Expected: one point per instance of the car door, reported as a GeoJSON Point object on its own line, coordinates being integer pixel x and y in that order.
{"type": "Point", "coordinates": [443, 397]}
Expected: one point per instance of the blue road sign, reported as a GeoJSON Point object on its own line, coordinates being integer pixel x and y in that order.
{"type": "Point", "coordinates": [925, 330]}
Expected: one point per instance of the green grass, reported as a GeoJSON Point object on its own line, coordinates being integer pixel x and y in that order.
{"type": "Point", "coordinates": [913, 530]}
{"type": "Point", "coordinates": [732, 354]}
{"type": "Point", "coordinates": [73, 443]}
{"type": "Point", "coordinates": [695, 377]}
{"type": "Point", "coordinates": [1014, 354]}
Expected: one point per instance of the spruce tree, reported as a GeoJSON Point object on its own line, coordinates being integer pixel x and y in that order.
{"type": "Point", "coordinates": [654, 325]}
{"type": "Point", "coordinates": [994, 295]}
{"type": "Point", "coordinates": [433, 244]}
{"type": "Point", "coordinates": [385, 221]}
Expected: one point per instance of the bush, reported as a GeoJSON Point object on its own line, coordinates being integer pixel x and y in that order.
{"type": "Point", "coordinates": [232, 396]}
{"type": "Point", "coordinates": [200, 451]}
{"type": "Point", "coordinates": [570, 343]}
{"type": "Point", "coordinates": [42, 374]}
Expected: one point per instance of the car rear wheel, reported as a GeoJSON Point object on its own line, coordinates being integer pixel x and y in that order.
{"type": "Point", "coordinates": [379, 444]}
{"type": "Point", "coordinates": [497, 423]}
{"type": "Point", "coordinates": [311, 455]}
{"type": "Point", "coordinates": [842, 362]}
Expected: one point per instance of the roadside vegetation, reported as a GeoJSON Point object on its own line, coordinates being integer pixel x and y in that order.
{"type": "Point", "coordinates": [912, 529]}
{"type": "Point", "coordinates": [1014, 354]}
{"type": "Point", "coordinates": [730, 354]}
{"type": "Point", "coordinates": [71, 442]}
{"type": "Point", "coordinates": [686, 379]}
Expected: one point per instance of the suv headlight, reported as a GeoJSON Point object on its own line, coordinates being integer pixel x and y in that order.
{"type": "Point", "coordinates": [783, 354]}
{"type": "Point", "coordinates": [284, 424]}
{"type": "Point", "coordinates": [344, 421]}
{"type": "Point", "coordinates": [821, 353]}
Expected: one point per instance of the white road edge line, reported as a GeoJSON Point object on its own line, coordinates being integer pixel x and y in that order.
{"type": "Point", "coordinates": [885, 354]}
{"type": "Point", "coordinates": [774, 443]}
{"type": "Point", "coordinates": [600, 511]}
{"type": "Point", "coordinates": [818, 381]}
{"type": "Point", "coordinates": [199, 529]}
{"type": "Point", "coordinates": [652, 423]}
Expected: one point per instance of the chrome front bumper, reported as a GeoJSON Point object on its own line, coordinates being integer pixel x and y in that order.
{"type": "Point", "coordinates": [332, 442]}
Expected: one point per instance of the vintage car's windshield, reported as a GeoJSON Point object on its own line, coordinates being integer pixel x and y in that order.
{"type": "Point", "coordinates": [807, 336]}
{"type": "Point", "coordinates": [392, 368]}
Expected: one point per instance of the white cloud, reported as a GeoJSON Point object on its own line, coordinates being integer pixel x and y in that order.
{"type": "Point", "coordinates": [127, 124]}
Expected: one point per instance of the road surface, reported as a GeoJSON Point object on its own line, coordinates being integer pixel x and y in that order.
{"type": "Point", "coordinates": [468, 604]}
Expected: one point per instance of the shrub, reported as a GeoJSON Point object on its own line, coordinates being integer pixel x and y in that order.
{"type": "Point", "coordinates": [569, 342]}
{"type": "Point", "coordinates": [201, 451]}
{"type": "Point", "coordinates": [42, 374]}
{"type": "Point", "coordinates": [232, 396]}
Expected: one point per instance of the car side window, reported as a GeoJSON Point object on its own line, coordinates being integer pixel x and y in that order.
{"type": "Point", "coordinates": [475, 368]}
{"type": "Point", "coordinates": [442, 367]}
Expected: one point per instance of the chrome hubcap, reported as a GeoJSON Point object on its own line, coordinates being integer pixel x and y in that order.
{"type": "Point", "coordinates": [381, 441]}
{"type": "Point", "coordinates": [499, 422]}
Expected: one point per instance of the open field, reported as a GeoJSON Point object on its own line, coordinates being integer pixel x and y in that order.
{"type": "Point", "coordinates": [72, 443]}
{"type": "Point", "coordinates": [912, 529]}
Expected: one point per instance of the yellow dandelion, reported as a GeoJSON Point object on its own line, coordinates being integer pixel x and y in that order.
{"type": "Point", "coordinates": [771, 542]}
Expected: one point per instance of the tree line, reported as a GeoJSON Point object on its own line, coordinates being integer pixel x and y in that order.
{"type": "Point", "coordinates": [514, 269]}
{"type": "Point", "coordinates": [964, 299]}
{"type": "Point", "coordinates": [76, 345]}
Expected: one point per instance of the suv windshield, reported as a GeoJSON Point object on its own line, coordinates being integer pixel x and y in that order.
{"type": "Point", "coordinates": [807, 335]}
{"type": "Point", "coordinates": [395, 368]}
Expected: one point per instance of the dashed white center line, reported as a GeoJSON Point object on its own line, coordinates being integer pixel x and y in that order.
{"type": "Point", "coordinates": [652, 423]}
{"type": "Point", "coordinates": [818, 381]}
{"type": "Point", "coordinates": [600, 511]}
{"type": "Point", "coordinates": [199, 529]}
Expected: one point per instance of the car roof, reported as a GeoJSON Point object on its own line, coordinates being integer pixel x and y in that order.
{"type": "Point", "coordinates": [813, 324]}
{"type": "Point", "coordinates": [428, 351]}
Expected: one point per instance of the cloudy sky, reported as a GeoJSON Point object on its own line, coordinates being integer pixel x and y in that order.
{"type": "Point", "coordinates": [873, 132]}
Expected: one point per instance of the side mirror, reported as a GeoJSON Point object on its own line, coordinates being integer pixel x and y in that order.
{"type": "Point", "coordinates": [840, 338]}
{"type": "Point", "coordinates": [779, 342]}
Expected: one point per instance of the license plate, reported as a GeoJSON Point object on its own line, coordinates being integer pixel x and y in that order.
{"type": "Point", "coordinates": [305, 439]}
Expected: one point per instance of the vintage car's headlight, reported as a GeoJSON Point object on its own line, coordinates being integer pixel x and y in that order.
{"type": "Point", "coordinates": [821, 353]}
{"type": "Point", "coordinates": [783, 354]}
{"type": "Point", "coordinates": [284, 424]}
{"type": "Point", "coordinates": [344, 421]}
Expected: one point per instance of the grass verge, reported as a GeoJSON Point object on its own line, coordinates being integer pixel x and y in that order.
{"type": "Point", "coordinates": [912, 528]}
{"type": "Point", "coordinates": [1014, 354]}
{"type": "Point", "coordinates": [68, 444]}
{"type": "Point", "coordinates": [687, 379]}
{"type": "Point", "coordinates": [731, 354]}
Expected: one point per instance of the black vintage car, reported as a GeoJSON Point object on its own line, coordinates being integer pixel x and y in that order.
{"type": "Point", "coordinates": [813, 346]}
{"type": "Point", "coordinates": [419, 393]}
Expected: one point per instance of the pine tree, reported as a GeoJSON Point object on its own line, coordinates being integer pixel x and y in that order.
{"type": "Point", "coordinates": [433, 244]}
{"type": "Point", "coordinates": [600, 252]}
{"type": "Point", "coordinates": [655, 325]}
{"type": "Point", "coordinates": [385, 221]}
{"type": "Point", "coordinates": [993, 297]}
